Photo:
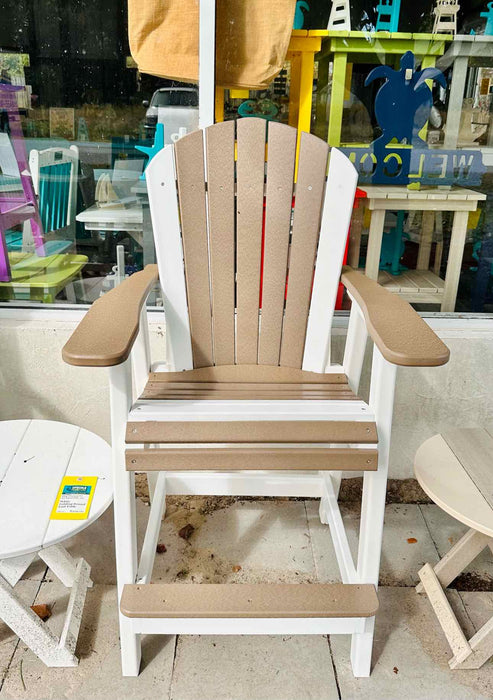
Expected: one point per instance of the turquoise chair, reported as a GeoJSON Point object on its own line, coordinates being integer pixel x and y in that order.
{"type": "Point", "coordinates": [388, 15]}
{"type": "Point", "coordinates": [54, 173]}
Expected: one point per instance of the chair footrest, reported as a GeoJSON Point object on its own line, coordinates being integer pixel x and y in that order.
{"type": "Point", "coordinates": [269, 600]}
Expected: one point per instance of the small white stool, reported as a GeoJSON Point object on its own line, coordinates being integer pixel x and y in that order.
{"type": "Point", "coordinates": [456, 470]}
{"type": "Point", "coordinates": [35, 455]}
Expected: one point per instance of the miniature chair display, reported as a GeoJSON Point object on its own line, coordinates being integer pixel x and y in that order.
{"type": "Point", "coordinates": [445, 12]}
{"type": "Point", "coordinates": [340, 17]}
{"type": "Point", "coordinates": [54, 176]}
{"type": "Point", "coordinates": [388, 15]}
{"type": "Point", "coordinates": [248, 401]}
{"type": "Point", "coordinates": [55, 173]}
{"type": "Point", "coordinates": [19, 204]}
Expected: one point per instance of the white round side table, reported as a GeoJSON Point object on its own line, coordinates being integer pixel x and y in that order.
{"type": "Point", "coordinates": [35, 456]}
{"type": "Point", "coordinates": [456, 470]}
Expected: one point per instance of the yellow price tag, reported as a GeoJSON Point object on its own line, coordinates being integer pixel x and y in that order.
{"type": "Point", "coordinates": [74, 498]}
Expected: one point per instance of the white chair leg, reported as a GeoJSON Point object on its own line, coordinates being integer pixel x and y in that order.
{"type": "Point", "coordinates": [336, 478]}
{"type": "Point", "coordinates": [370, 544]}
{"type": "Point", "coordinates": [124, 510]}
{"type": "Point", "coordinates": [373, 503]}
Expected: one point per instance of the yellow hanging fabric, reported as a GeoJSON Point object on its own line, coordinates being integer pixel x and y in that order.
{"type": "Point", "coordinates": [252, 38]}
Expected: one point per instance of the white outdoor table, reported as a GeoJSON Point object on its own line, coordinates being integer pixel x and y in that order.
{"type": "Point", "coordinates": [456, 470]}
{"type": "Point", "coordinates": [421, 285]}
{"type": "Point", "coordinates": [35, 455]}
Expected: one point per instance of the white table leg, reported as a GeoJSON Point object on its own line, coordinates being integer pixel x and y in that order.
{"type": "Point", "coordinates": [374, 243]}
{"type": "Point", "coordinates": [456, 252]}
{"type": "Point", "coordinates": [456, 560]}
{"type": "Point", "coordinates": [14, 568]}
{"type": "Point", "coordinates": [63, 565]}
{"type": "Point", "coordinates": [481, 648]}
{"type": "Point", "coordinates": [33, 632]}
{"type": "Point", "coordinates": [424, 252]}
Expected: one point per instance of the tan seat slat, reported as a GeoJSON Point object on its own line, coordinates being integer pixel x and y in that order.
{"type": "Point", "coordinates": [246, 396]}
{"type": "Point", "coordinates": [310, 186]}
{"type": "Point", "coordinates": [274, 600]}
{"type": "Point", "coordinates": [220, 144]}
{"type": "Point", "coordinates": [347, 432]}
{"type": "Point", "coordinates": [251, 458]}
{"type": "Point", "coordinates": [250, 135]}
{"type": "Point", "coordinates": [248, 386]}
{"type": "Point", "coordinates": [258, 374]}
{"type": "Point", "coordinates": [278, 202]}
{"type": "Point", "coordinates": [158, 390]}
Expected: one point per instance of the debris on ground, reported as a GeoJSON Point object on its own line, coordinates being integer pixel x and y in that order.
{"type": "Point", "coordinates": [161, 548]}
{"type": "Point", "coordinates": [186, 531]}
{"type": "Point", "coordinates": [236, 568]}
{"type": "Point", "coordinates": [395, 670]}
{"type": "Point", "coordinates": [411, 540]}
{"type": "Point", "coordinates": [42, 610]}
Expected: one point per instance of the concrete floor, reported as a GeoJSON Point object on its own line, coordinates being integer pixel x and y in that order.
{"type": "Point", "coordinates": [271, 541]}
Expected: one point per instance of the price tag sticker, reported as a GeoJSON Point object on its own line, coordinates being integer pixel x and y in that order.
{"type": "Point", "coordinates": [74, 498]}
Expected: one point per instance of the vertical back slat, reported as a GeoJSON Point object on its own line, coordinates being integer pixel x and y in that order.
{"type": "Point", "coordinates": [337, 210]}
{"type": "Point", "coordinates": [309, 192]}
{"type": "Point", "coordinates": [249, 209]}
{"type": "Point", "coordinates": [163, 203]}
{"type": "Point", "coordinates": [220, 146]}
{"type": "Point", "coordinates": [279, 193]}
{"type": "Point", "coordinates": [191, 191]}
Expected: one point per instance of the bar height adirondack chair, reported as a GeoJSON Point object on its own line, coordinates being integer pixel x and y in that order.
{"type": "Point", "coordinates": [248, 402]}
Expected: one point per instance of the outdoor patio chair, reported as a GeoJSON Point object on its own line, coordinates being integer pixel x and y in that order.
{"type": "Point", "coordinates": [248, 402]}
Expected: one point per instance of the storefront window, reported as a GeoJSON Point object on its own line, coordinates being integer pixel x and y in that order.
{"type": "Point", "coordinates": [405, 89]}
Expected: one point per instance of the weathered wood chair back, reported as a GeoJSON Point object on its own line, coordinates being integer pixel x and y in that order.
{"type": "Point", "coordinates": [249, 259]}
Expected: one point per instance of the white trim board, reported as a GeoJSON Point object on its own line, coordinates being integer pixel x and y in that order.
{"type": "Point", "coordinates": [446, 325]}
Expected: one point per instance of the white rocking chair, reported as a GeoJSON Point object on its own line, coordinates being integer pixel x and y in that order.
{"type": "Point", "coordinates": [248, 402]}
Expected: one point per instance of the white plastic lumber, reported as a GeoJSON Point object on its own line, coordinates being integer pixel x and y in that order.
{"type": "Point", "coordinates": [446, 617]}
{"type": "Point", "coordinates": [75, 608]}
{"type": "Point", "coordinates": [260, 626]}
{"type": "Point", "coordinates": [13, 569]}
{"type": "Point", "coordinates": [30, 628]}
{"type": "Point", "coordinates": [91, 456]}
{"type": "Point", "coordinates": [354, 351]}
{"type": "Point", "coordinates": [124, 509]}
{"type": "Point", "coordinates": [250, 410]}
{"type": "Point", "coordinates": [336, 217]}
{"type": "Point", "coordinates": [11, 439]}
{"type": "Point", "coordinates": [41, 460]}
{"type": "Point", "coordinates": [333, 518]}
{"type": "Point", "coordinates": [460, 556]}
{"type": "Point", "coordinates": [148, 553]}
{"type": "Point", "coordinates": [163, 202]}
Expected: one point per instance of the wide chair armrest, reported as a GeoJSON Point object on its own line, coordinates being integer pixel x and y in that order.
{"type": "Point", "coordinates": [397, 330]}
{"type": "Point", "coordinates": [107, 332]}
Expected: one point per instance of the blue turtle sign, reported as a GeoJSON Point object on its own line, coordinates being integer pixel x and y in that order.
{"type": "Point", "coordinates": [399, 156]}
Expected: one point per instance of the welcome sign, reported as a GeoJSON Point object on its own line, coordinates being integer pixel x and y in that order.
{"type": "Point", "coordinates": [399, 156]}
{"type": "Point", "coordinates": [401, 165]}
